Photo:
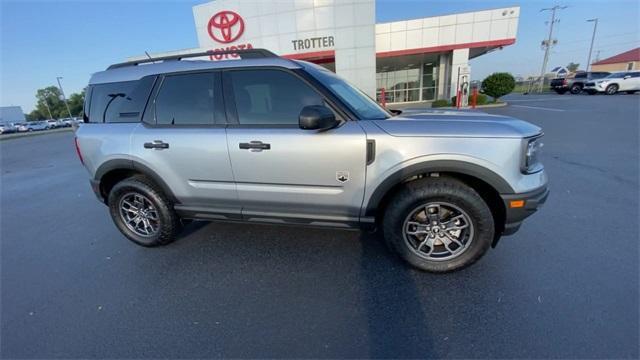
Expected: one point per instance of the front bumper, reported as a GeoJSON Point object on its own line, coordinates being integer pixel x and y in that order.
{"type": "Point", "coordinates": [515, 215]}
{"type": "Point", "coordinates": [597, 87]}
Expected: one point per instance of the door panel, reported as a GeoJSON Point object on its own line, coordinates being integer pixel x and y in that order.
{"type": "Point", "coordinates": [624, 84]}
{"type": "Point", "coordinates": [297, 177]}
{"type": "Point", "coordinates": [183, 139]}
{"type": "Point", "coordinates": [635, 81]}
{"type": "Point", "coordinates": [195, 165]}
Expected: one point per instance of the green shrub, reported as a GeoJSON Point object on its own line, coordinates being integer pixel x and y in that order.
{"type": "Point", "coordinates": [482, 99]}
{"type": "Point", "coordinates": [439, 103]}
{"type": "Point", "coordinates": [498, 84]}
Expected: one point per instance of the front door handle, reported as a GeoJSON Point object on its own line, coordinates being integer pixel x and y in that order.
{"type": "Point", "coordinates": [255, 146]}
{"type": "Point", "coordinates": [156, 144]}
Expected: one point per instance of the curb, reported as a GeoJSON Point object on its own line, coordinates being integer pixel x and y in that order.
{"type": "Point", "coordinates": [33, 133]}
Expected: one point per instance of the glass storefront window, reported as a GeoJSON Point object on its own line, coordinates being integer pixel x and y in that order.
{"type": "Point", "coordinates": [428, 93]}
{"type": "Point", "coordinates": [413, 82]}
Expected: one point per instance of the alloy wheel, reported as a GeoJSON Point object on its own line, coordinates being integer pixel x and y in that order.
{"type": "Point", "coordinates": [438, 231]}
{"type": "Point", "coordinates": [139, 214]}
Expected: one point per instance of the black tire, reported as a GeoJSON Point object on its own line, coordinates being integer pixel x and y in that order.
{"type": "Point", "coordinates": [441, 189]}
{"type": "Point", "coordinates": [168, 223]}
{"type": "Point", "coordinates": [611, 89]}
{"type": "Point", "coordinates": [560, 92]}
{"type": "Point", "coordinates": [576, 89]}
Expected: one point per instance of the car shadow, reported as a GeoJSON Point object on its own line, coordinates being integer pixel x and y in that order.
{"type": "Point", "coordinates": [369, 304]}
{"type": "Point", "coordinates": [398, 325]}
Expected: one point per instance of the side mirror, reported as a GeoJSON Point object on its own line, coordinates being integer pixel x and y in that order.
{"type": "Point", "coordinates": [395, 112]}
{"type": "Point", "coordinates": [317, 117]}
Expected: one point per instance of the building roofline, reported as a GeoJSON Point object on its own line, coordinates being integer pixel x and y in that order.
{"type": "Point", "coordinates": [449, 14]}
{"type": "Point", "coordinates": [622, 57]}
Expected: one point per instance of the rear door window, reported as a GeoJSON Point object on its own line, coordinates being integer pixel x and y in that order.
{"type": "Point", "coordinates": [186, 99]}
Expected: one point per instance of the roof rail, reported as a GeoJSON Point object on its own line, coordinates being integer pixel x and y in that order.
{"type": "Point", "coordinates": [244, 54]}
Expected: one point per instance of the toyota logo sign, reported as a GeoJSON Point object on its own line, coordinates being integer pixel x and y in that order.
{"type": "Point", "coordinates": [225, 26]}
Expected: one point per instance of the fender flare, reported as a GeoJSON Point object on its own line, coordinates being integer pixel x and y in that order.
{"type": "Point", "coordinates": [453, 166]}
{"type": "Point", "coordinates": [125, 164]}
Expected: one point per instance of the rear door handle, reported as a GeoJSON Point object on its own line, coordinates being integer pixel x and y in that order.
{"type": "Point", "coordinates": [255, 146]}
{"type": "Point", "coordinates": [156, 144]}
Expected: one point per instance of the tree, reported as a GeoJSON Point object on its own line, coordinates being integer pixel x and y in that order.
{"type": "Point", "coordinates": [498, 84]}
{"type": "Point", "coordinates": [76, 102]}
{"type": "Point", "coordinates": [50, 104]}
{"type": "Point", "coordinates": [36, 115]}
{"type": "Point", "coordinates": [573, 67]}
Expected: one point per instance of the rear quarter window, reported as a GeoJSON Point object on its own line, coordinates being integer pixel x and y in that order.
{"type": "Point", "coordinates": [119, 102]}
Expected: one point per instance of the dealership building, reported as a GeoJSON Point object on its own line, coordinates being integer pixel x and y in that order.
{"type": "Point", "coordinates": [408, 60]}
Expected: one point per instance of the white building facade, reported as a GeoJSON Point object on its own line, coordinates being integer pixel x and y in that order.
{"type": "Point", "coordinates": [410, 60]}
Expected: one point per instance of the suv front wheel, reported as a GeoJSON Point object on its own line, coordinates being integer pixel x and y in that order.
{"type": "Point", "coordinates": [142, 212]}
{"type": "Point", "coordinates": [438, 224]}
{"type": "Point", "coordinates": [611, 89]}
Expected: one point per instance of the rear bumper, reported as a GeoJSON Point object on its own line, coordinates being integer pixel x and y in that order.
{"type": "Point", "coordinates": [95, 186]}
{"type": "Point", "coordinates": [533, 200]}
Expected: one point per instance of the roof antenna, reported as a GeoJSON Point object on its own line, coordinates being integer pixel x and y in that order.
{"type": "Point", "coordinates": [149, 56]}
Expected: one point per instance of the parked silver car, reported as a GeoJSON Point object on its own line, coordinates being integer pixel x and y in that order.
{"type": "Point", "coordinates": [37, 125]}
{"type": "Point", "coordinates": [270, 140]}
{"type": "Point", "coordinates": [8, 128]}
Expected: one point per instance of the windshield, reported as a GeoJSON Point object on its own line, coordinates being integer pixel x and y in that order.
{"type": "Point", "coordinates": [364, 107]}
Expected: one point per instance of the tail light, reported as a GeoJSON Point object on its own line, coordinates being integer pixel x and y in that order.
{"type": "Point", "coordinates": [78, 150]}
{"type": "Point", "coordinates": [564, 81]}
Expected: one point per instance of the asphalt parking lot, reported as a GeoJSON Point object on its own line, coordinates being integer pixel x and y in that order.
{"type": "Point", "coordinates": [565, 286]}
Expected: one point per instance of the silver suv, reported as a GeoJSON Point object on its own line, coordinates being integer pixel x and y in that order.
{"type": "Point", "coordinates": [264, 139]}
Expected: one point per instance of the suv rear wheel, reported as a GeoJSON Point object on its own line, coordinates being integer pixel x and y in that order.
{"type": "Point", "coordinates": [438, 224]}
{"type": "Point", "coordinates": [142, 212]}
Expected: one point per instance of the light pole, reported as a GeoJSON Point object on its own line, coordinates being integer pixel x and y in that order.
{"type": "Point", "coordinates": [549, 42]}
{"type": "Point", "coordinates": [46, 104]}
{"type": "Point", "coordinates": [64, 98]}
{"type": "Point", "coordinates": [593, 37]}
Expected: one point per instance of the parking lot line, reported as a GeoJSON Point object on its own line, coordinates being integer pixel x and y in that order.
{"type": "Point", "coordinates": [540, 99]}
{"type": "Point", "coordinates": [537, 107]}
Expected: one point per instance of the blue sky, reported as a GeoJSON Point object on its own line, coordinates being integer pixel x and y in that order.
{"type": "Point", "coordinates": [40, 40]}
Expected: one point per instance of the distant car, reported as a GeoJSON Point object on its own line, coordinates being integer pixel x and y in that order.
{"type": "Point", "coordinates": [68, 122]}
{"type": "Point", "coordinates": [37, 125]}
{"type": "Point", "coordinates": [7, 128]}
{"type": "Point", "coordinates": [20, 127]}
{"type": "Point", "coordinates": [53, 123]}
{"type": "Point", "coordinates": [574, 84]}
{"type": "Point", "coordinates": [627, 81]}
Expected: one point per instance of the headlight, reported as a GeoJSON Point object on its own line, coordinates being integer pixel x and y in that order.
{"type": "Point", "coordinates": [531, 148]}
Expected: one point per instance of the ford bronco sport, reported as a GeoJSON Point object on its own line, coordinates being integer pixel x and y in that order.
{"type": "Point", "coordinates": [264, 139]}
